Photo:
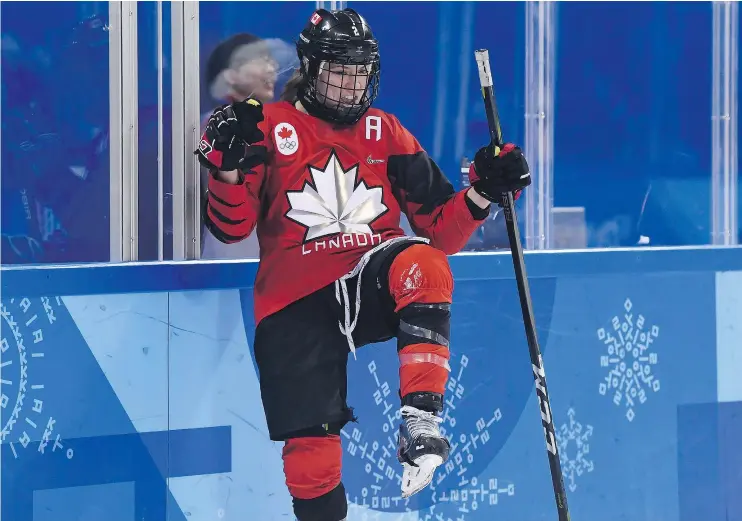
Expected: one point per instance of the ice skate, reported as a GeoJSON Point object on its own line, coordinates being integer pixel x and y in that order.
{"type": "Point", "coordinates": [421, 449]}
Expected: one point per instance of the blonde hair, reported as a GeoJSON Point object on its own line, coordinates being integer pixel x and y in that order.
{"type": "Point", "coordinates": [291, 89]}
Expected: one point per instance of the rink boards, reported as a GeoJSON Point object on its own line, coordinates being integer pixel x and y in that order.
{"type": "Point", "coordinates": [130, 392]}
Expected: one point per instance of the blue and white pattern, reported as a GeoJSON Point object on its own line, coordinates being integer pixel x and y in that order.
{"type": "Point", "coordinates": [631, 357]}
{"type": "Point", "coordinates": [150, 406]}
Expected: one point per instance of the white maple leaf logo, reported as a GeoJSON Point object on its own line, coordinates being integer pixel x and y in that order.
{"type": "Point", "coordinates": [335, 204]}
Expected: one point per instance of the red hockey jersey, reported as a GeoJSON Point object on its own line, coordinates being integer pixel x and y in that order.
{"type": "Point", "coordinates": [327, 195]}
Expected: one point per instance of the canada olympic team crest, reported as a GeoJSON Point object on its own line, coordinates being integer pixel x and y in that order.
{"type": "Point", "coordinates": [287, 142]}
{"type": "Point", "coordinates": [26, 422]}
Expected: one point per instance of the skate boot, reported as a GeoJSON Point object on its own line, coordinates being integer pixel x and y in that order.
{"type": "Point", "coordinates": [421, 447]}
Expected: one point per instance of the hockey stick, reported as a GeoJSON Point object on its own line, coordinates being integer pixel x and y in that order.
{"type": "Point", "coordinates": [511, 223]}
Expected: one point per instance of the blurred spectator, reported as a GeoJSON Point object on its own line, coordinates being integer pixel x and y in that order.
{"type": "Point", "coordinates": [240, 67]}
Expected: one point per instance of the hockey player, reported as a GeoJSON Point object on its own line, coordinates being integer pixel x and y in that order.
{"type": "Point", "coordinates": [325, 177]}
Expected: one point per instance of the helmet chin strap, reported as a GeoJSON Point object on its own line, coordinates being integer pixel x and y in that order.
{"type": "Point", "coordinates": [298, 105]}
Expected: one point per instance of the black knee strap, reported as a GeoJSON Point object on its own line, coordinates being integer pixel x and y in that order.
{"type": "Point", "coordinates": [332, 506]}
{"type": "Point", "coordinates": [424, 323]}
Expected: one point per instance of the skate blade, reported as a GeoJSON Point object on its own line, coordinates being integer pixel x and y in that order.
{"type": "Point", "coordinates": [414, 479]}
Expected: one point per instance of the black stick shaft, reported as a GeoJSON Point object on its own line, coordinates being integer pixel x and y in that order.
{"type": "Point", "coordinates": [511, 223]}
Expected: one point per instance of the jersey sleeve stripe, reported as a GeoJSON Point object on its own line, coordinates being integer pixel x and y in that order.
{"type": "Point", "coordinates": [224, 232]}
{"type": "Point", "coordinates": [223, 202]}
{"type": "Point", "coordinates": [223, 218]}
{"type": "Point", "coordinates": [228, 194]}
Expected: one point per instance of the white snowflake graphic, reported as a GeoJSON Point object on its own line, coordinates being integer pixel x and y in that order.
{"type": "Point", "coordinates": [335, 204]}
{"type": "Point", "coordinates": [574, 461]}
{"type": "Point", "coordinates": [630, 359]}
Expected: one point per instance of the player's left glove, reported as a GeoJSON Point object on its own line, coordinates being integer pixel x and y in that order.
{"type": "Point", "coordinates": [493, 175]}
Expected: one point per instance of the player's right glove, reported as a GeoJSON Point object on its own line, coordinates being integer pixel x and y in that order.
{"type": "Point", "coordinates": [493, 175]}
{"type": "Point", "coordinates": [228, 142]}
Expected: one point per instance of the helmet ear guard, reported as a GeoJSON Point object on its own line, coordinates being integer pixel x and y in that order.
{"type": "Point", "coordinates": [341, 38]}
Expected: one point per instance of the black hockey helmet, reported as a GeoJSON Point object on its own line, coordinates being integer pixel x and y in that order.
{"type": "Point", "coordinates": [339, 66]}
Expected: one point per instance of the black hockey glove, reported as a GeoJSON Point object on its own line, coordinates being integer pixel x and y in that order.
{"type": "Point", "coordinates": [228, 140]}
{"type": "Point", "coordinates": [491, 176]}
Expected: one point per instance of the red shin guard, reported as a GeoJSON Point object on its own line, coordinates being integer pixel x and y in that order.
{"type": "Point", "coordinates": [421, 275]}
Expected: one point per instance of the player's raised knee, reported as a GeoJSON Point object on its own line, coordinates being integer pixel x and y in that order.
{"type": "Point", "coordinates": [420, 274]}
